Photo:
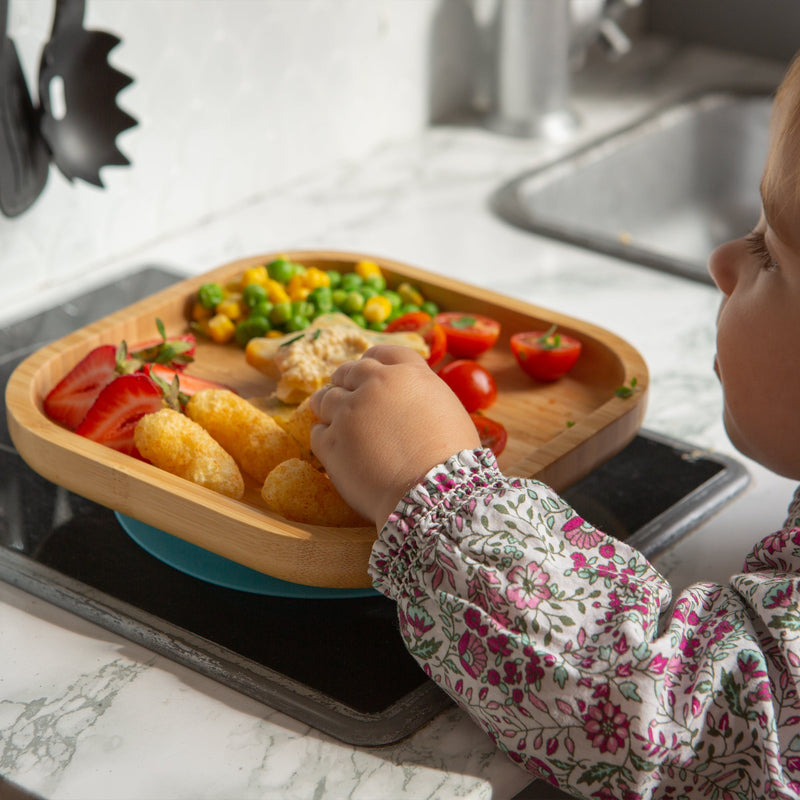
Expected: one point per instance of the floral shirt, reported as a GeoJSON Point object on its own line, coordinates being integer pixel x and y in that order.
{"type": "Point", "coordinates": [564, 644]}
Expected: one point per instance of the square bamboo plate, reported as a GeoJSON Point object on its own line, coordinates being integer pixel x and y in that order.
{"type": "Point", "coordinates": [557, 432]}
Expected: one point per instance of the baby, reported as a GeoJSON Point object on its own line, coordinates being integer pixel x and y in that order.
{"type": "Point", "coordinates": [560, 641]}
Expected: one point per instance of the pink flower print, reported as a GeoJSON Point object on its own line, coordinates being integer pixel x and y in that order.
{"type": "Point", "coordinates": [443, 481]}
{"type": "Point", "coordinates": [606, 727]}
{"type": "Point", "coordinates": [528, 585]}
{"type": "Point", "coordinates": [499, 644]}
{"type": "Point", "coordinates": [541, 770]}
{"type": "Point", "coordinates": [472, 654]}
{"type": "Point", "coordinates": [418, 621]}
{"type": "Point", "coordinates": [533, 670]}
{"type": "Point", "coordinates": [472, 618]}
{"type": "Point", "coordinates": [607, 551]}
{"type": "Point", "coordinates": [658, 664]}
{"type": "Point", "coordinates": [579, 536]}
{"type": "Point", "coordinates": [750, 666]}
{"type": "Point", "coordinates": [780, 596]}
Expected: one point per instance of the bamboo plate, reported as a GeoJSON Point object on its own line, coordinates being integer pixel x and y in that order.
{"type": "Point", "coordinates": [558, 432]}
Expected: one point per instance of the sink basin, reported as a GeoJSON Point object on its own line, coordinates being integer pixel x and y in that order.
{"type": "Point", "coordinates": [662, 193]}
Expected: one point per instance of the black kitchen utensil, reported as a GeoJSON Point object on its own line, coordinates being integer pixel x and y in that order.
{"type": "Point", "coordinates": [24, 158]}
{"type": "Point", "coordinates": [81, 127]}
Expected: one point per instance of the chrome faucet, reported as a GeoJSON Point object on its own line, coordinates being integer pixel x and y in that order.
{"type": "Point", "coordinates": [531, 47]}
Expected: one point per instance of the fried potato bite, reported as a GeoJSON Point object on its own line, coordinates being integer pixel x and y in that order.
{"type": "Point", "coordinates": [301, 493]}
{"type": "Point", "coordinates": [298, 425]}
{"type": "Point", "coordinates": [178, 445]}
{"type": "Point", "coordinates": [253, 438]}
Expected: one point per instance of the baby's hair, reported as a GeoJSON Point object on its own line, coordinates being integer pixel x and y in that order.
{"type": "Point", "coordinates": [781, 177]}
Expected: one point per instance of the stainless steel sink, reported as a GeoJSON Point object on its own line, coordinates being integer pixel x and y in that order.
{"type": "Point", "coordinates": [662, 193]}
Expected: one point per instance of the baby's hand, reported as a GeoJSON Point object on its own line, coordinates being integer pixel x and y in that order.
{"type": "Point", "coordinates": [386, 419]}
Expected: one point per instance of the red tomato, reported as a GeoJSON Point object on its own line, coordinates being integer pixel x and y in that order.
{"type": "Point", "coordinates": [468, 335]}
{"type": "Point", "coordinates": [545, 355]}
{"type": "Point", "coordinates": [472, 384]}
{"type": "Point", "coordinates": [428, 328]}
{"type": "Point", "coordinates": [493, 434]}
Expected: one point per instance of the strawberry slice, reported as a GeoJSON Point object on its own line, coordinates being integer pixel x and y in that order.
{"type": "Point", "coordinates": [120, 405]}
{"type": "Point", "coordinates": [188, 384]}
{"type": "Point", "coordinates": [74, 394]}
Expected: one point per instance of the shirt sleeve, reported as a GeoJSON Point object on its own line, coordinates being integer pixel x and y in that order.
{"type": "Point", "coordinates": [564, 644]}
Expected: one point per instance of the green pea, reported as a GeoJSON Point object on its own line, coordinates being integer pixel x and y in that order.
{"type": "Point", "coordinates": [359, 319]}
{"type": "Point", "coordinates": [335, 277]}
{"type": "Point", "coordinates": [281, 313]}
{"type": "Point", "coordinates": [368, 291]}
{"type": "Point", "coordinates": [253, 294]}
{"type": "Point", "coordinates": [297, 322]}
{"type": "Point", "coordinates": [259, 324]}
{"type": "Point", "coordinates": [281, 270]}
{"type": "Point", "coordinates": [376, 282]}
{"type": "Point", "coordinates": [210, 295]}
{"type": "Point", "coordinates": [393, 297]}
{"type": "Point", "coordinates": [302, 308]}
{"type": "Point", "coordinates": [429, 307]}
{"type": "Point", "coordinates": [322, 299]}
{"type": "Point", "coordinates": [262, 309]}
{"type": "Point", "coordinates": [351, 281]}
{"type": "Point", "coordinates": [407, 308]}
{"type": "Point", "coordinates": [376, 326]}
{"type": "Point", "coordinates": [339, 296]}
{"type": "Point", "coordinates": [353, 303]}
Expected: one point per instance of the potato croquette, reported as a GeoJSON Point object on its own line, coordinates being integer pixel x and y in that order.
{"type": "Point", "coordinates": [301, 493]}
{"type": "Point", "coordinates": [178, 445]}
{"type": "Point", "coordinates": [253, 438]}
{"type": "Point", "coordinates": [298, 425]}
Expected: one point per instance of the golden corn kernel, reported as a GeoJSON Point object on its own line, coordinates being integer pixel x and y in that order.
{"type": "Point", "coordinates": [410, 294]}
{"type": "Point", "coordinates": [297, 289]}
{"type": "Point", "coordinates": [377, 308]}
{"type": "Point", "coordinates": [315, 277]}
{"type": "Point", "coordinates": [255, 275]}
{"type": "Point", "coordinates": [200, 312]}
{"type": "Point", "coordinates": [231, 308]}
{"type": "Point", "coordinates": [276, 292]}
{"type": "Point", "coordinates": [221, 328]}
{"type": "Point", "coordinates": [367, 268]}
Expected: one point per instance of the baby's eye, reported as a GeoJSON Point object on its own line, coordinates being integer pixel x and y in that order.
{"type": "Point", "coordinates": [757, 246]}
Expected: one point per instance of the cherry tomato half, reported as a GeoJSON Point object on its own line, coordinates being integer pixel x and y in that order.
{"type": "Point", "coordinates": [468, 335]}
{"type": "Point", "coordinates": [545, 355]}
{"type": "Point", "coordinates": [493, 433]}
{"type": "Point", "coordinates": [428, 328]}
{"type": "Point", "coordinates": [472, 384]}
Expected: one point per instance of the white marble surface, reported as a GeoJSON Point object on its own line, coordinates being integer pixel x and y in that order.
{"type": "Point", "coordinates": [86, 715]}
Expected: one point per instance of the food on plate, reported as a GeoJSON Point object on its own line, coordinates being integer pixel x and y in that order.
{"type": "Point", "coordinates": [545, 355]}
{"type": "Point", "coordinates": [473, 384]}
{"type": "Point", "coordinates": [284, 296]}
{"type": "Point", "coordinates": [113, 416]}
{"type": "Point", "coordinates": [298, 425]}
{"type": "Point", "coordinates": [177, 444]}
{"type": "Point", "coordinates": [252, 437]}
{"type": "Point", "coordinates": [70, 399]}
{"type": "Point", "coordinates": [493, 433]}
{"type": "Point", "coordinates": [468, 335]}
{"type": "Point", "coordinates": [301, 493]}
{"type": "Point", "coordinates": [304, 362]}
{"type": "Point", "coordinates": [428, 328]}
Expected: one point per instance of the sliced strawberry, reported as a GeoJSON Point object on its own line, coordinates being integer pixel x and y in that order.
{"type": "Point", "coordinates": [75, 393]}
{"type": "Point", "coordinates": [119, 406]}
{"type": "Point", "coordinates": [188, 384]}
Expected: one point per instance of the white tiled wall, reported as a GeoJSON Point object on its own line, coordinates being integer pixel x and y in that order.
{"type": "Point", "coordinates": [234, 98]}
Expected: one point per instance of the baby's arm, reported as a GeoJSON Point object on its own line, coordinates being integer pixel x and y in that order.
{"type": "Point", "coordinates": [386, 419]}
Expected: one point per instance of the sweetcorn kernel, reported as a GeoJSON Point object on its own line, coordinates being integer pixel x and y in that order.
{"type": "Point", "coordinates": [255, 275]}
{"type": "Point", "coordinates": [367, 268]}
{"type": "Point", "coordinates": [297, 289]}
{"type": "Point", "coordinates": [315, 277]}
{"type": "Point", "coordinates": [276, 292]}
{"type": "Point", "coordinates": [221, 328]}
{"type": "Point", "coordinates": [231, 308]}
{"type": "Point", "coordinates": [200, 312]}
{"type": "Point", "coordinates": [377, 308]}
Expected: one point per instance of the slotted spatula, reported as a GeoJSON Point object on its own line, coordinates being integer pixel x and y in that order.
{"type": "Point", "coordinates": [24, 158]}
{"type": "Point", "coordinates": [82, 125]}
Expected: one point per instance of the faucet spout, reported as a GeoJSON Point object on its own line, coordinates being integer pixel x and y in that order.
{"type": "Point", "coordinates": [530, 64]}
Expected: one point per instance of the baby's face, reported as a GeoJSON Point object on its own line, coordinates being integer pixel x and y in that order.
{"type": "Point", "coordinates": [758, 325]}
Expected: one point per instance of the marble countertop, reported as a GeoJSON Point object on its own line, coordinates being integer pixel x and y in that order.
{"type": "Point", "coordinates": [86, 714]}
